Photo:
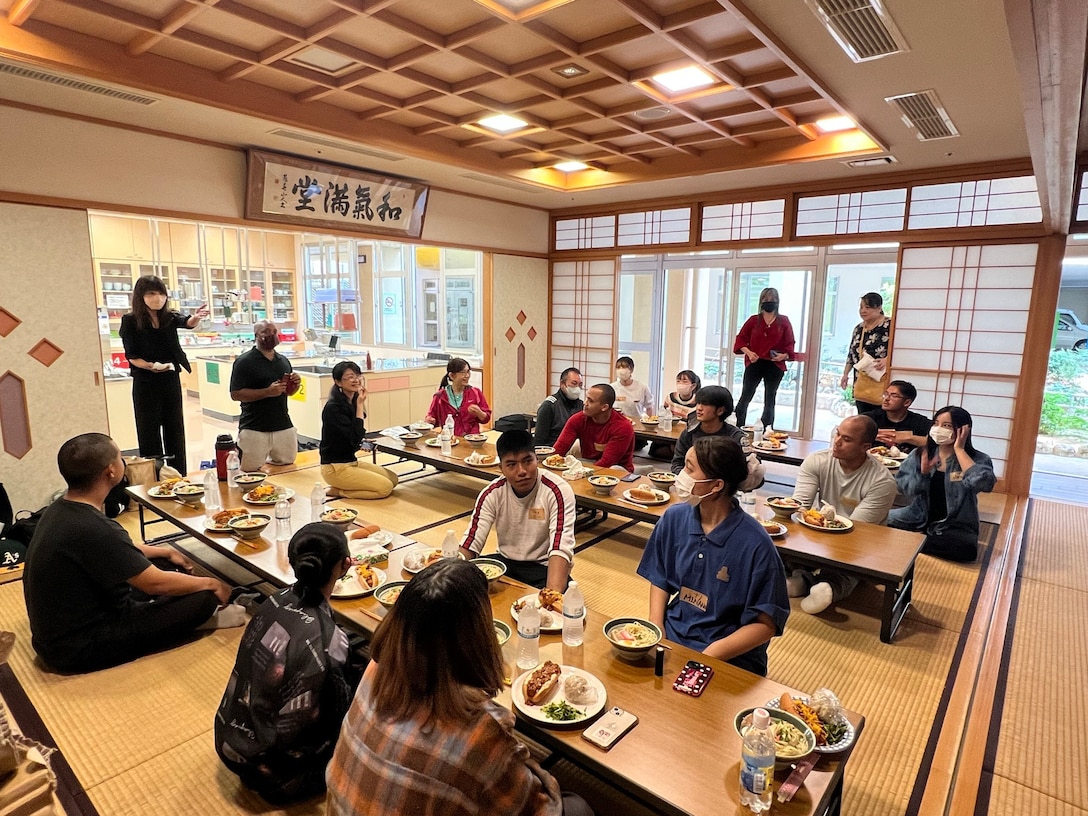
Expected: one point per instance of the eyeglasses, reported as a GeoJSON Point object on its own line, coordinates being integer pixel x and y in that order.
{"type": "Point", "coordinates": [891, 395]}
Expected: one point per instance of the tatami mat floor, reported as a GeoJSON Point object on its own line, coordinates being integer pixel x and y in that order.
{"type": "Point", "coordinates": [1037, 761]}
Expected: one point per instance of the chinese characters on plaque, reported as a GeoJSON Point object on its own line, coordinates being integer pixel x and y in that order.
{"type": "Point", "coordinates": [298, 191]}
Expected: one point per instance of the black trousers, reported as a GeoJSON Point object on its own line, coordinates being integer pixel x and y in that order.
{"type": "Point", "coordinates": [160, 423]}
{"type": "Point", "coordinates": [528, 572]}
{"type": "Point", "coordinates": [141, 628]}
{"type": "Point", "coordinates": [771, 376]}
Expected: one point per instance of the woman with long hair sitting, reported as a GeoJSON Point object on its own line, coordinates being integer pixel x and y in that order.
{"type": "Point", "coordinates": [945, 477]}
{"type": "Point", "coordinates": [455, 397]}
{"type": "Point", "coordinates": [423, 734]}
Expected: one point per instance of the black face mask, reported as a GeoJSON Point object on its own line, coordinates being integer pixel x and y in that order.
{"type": "Point", "coordinates": [769, 305]}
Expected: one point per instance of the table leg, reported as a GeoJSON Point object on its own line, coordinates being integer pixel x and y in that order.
{"type": "Point", "coordinates": [896, 602]}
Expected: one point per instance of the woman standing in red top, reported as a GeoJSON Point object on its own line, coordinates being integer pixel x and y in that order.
{"type": "Point", "coordinates": [766, 341]}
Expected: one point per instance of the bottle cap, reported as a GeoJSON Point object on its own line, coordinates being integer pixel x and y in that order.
{"type": "Point", "coordinates": [659, 661]}
{"type": "Point", "coordinates": [761, 718]}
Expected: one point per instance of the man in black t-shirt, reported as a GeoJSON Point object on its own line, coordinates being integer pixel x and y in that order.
{"type": "Point", "coordinates": [555, 410]}
{"type": "Point", "coordinates": [261, 380]}
{"type": "Point", "coordinates": [896, 425]}
{"type": "Point", "coordinates": [93, 597]}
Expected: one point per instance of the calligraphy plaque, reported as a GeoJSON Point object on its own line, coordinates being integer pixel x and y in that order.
{"type": "Point", "coordinates": [288, 189]}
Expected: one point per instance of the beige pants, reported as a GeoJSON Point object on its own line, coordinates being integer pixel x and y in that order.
{"type": "Point", "coordinates": [259, 447]}
{"type": "Point", "coordinates": [360, 480]}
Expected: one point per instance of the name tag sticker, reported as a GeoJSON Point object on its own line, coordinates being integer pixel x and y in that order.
{"type": "Point", "coordinates": [621, 398]}
{"type": "Point", "coordinates": [956, 477]}
{"type": "Point", "coordinates": [536, 513]}
{"type": "Point", "coordinates": [696, 599]}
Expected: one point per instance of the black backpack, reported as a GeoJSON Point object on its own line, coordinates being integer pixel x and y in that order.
{"type": "Point", "coordinates": [512, 422]}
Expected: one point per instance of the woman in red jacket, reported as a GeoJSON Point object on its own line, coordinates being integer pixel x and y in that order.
{"type": "Point", "coordinates": [766, 341]}
{"type": "Point", "coordinates": [455, 397]}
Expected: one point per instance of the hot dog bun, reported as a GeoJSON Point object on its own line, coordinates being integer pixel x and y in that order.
{"type": "Point", "coordinates": [366, 532]}
{"type": "Point", "coordinates": [541, 683]}
{"type": "Point", "coordinates": [642, 494]}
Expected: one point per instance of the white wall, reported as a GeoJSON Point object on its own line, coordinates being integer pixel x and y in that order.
{"type": "Point", "coordinates": [46, 283]}
{"type": "Point", "coordinates": [52, 156]}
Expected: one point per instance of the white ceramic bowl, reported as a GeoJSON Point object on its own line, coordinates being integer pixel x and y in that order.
{"type": "Point", "coordinates": [602, 485]}
{"type": "Point", "coordinates": [250, 526]}
{"type": "Point", "coordinates": [625, 649]}
{"type": "Point", "coordinates": [189, 493]}
{"type": "Point", "coordinates": [475, 439]}
{"type": "Point", "coordinates": [342, 517]}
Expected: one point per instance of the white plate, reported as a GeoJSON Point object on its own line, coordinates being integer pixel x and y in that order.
{"type": "Point", "coordinates": [662, 497]}
{"type": "Point", "coordinates": [350, 587]}
{"type": "Point", "coordinates": [890, 462]}
{"type": "Point", "coordinates": [544, 450]}
{"type": "Point", "coordinates": [249, 479]}
{"type": "Point", "coordinates": [831, 748]}
{"type": "Point", "coordinates": [536, 713]}
{"type": "Point", "coordinates": [287, 493]}
{"type": "Point", "coordinates": [849, 525]}
{"type": "Point", "coordinates": [413, 560]}
{"type": "Point", "coordinates": [437, 443]}
{"type": "Point", "coordinates": [157, 492]}
{"type": "Point", "coordinates": [420, 426]}
{"type": "Point", "coordinates": [549, 621]}
{"type": "Point", "coordinates": [380, 539]}
{"type": "Point", "coordinates": [493, 463]}
{"type": "Point", "coordinates": [563, 466]}
{"type": "Point", "coordinates": [781, 530]}
{"type": "Point", "coordinates": [768, 446]}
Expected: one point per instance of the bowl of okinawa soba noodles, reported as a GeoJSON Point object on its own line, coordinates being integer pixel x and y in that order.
{"type": "Point", "coordinates": [632, 638]}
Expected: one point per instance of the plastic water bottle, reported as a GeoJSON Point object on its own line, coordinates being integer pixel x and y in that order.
{"type": "Point", "coordinates": [234, 464]}
{"type": "Point", "coordinates": [757, 763]}
{"type": "Point", "coordinates": [317, 501]}
{"type": "Point", "coordinates": [283, 521]}
{"type": "Point", "coordinates": [212, 505]}
{"type": "Point", "coordinates": [446, 437]}
{"type": "Point", "coordinates": [528, 637]}
{"type": "Point", "coordinates": [450, 545]}
{"type": "Point", "coordinates": [574, 606]}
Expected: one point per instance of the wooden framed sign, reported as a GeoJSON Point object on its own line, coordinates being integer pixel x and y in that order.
{"type": "Point", "coordinates": [291, 190]}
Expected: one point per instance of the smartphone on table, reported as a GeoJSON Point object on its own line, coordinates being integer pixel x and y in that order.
{"type": "Point", "coordinates": [609, 728]}
{"type": "Point", "coordinates": [630, 477]}
{"type": "Point", "coordinates": [693, 678]}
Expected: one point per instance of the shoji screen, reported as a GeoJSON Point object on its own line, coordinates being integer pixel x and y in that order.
{"type": "Point", "coordinates": [583, 305]}
{"type": "Point", "coordinates": [961, 314]}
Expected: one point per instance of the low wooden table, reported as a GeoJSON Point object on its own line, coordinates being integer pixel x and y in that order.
{"type": "Point", "coordinates": [882, 555]}
{"type": "Point", "coordinates": [682, 758]}
{"type": "Point", "coordinates": [794, 452]}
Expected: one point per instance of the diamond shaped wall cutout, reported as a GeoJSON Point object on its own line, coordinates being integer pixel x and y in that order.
{"type": "Point", "coordinates": [532, 333]}
{"type": "Point", "coordinates": [522, 317]}
{"type": "Point", "coordinates": [46, 352]}
{"type": "Point", "coordinates": [8, 322]}
{"type": "Point", "coordinates": [510, 335]}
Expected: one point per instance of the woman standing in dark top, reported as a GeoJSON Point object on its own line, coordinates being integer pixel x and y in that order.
{"type": "Point", "coordinates": [766, 341]}
{"type": "Point", "coordinates": [342, 432]}
{"type": "Point", "coordinates": [150, 337]}
{"type": "Point", "coordinates": [277, 723]}
{"type": "Point", "coordinates": [871, 336]}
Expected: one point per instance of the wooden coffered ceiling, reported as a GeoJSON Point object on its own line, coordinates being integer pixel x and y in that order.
{"type": "Point", "coordinates": [398, 86]}
{"type": "Point", "coordinates": [418, 75]}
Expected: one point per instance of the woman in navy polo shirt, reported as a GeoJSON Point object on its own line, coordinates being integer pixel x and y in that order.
{"type": "Point", "coordinates": [716, 563]}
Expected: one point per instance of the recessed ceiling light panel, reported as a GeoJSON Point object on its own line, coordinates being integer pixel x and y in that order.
{"type": "Point", "coordinates": [570, 166]}
{"type": "Point", "coordinates": [684, 79]}
{"type": "Point", "coordinates": [832, 124]}
{"type": "Point", "coordinates": [502, 123]}
{"type": "Point", "coordinates": [570, 70]}
{"type": "Point", "coordinates": [320, 59]}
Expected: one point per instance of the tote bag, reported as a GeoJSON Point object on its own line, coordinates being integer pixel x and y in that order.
{"type": "Point", "coordinates": [866, 388]}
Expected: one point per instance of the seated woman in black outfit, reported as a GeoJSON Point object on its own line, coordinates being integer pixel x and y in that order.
{"type": "Point", "coordinates": [342, 432]}
{"type": "Point", "coordinates": [292, 684]}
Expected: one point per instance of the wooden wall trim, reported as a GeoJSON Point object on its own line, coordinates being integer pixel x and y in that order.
{"type": "Point", "coordinates": [957, 766]}
{"type": "Point", "coordinates": [966, 172]}
{"type": "Point", "coordinates": [216, 220]}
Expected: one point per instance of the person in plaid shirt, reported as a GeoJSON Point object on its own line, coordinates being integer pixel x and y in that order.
{"type": "Point", "coordinates": [423, 734]}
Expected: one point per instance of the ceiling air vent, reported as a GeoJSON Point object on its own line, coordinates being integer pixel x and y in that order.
{"type": "Point", "coordinates": [923, 112]}
{"type": "Point", "coordinates": [26, 72]}
{"type": "Point", "coordinates": [875, 161]}
{"type": "Point", "coordinates": [319, 140]}
{"type": "Point", "coordinates": [862, 28]}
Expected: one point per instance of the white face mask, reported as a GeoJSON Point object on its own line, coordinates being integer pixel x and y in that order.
{"type": "Point", "coordinates": [941, 435]}
{"type": "Point", "coordinates": [623, 374]}
{"type": "Point", "coordinates": [574, 393]}
{"type": "Point", "coordinates": [683, 486]}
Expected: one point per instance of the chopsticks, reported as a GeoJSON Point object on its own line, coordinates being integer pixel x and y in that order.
{"type": "Point", "coordinates": [635, 503]}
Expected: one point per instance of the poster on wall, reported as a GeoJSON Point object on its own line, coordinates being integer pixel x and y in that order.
{"type": "Point", "coordinates": [292, 190]}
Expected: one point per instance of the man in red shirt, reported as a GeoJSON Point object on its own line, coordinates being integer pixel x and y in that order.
{"type": "Point", "coordinates": [607, 437]}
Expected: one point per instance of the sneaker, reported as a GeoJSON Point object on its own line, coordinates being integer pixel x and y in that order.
{"type": "Point", "coordinates": [796, 585]}
{"type": "Point", "coordinates": [819, 598]}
